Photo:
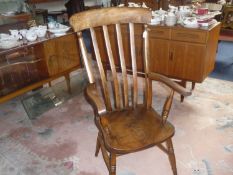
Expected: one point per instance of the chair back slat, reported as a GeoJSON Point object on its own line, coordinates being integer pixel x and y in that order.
{"type": "Point", "coordinates": [123, 65]}
{"type": "Point", "coordinates": [134, 64]}
{"type": "Point", "coordinates": [148, 95]}
{"type": "Point", "coordinates": [113, 68]}
{"type": "Point", "coordinates": [85, 58]}
{"type": "Point", "coordinates": [101, 70]}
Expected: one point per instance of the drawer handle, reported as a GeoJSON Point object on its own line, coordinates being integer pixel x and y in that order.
{"type": "Point", "coordinates": [187, 35]}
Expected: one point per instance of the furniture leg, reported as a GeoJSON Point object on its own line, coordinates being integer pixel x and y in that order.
{"type": "Point", "coordinates": [112, 167]}
{"type": "Point", "coordinates": [97, 146]}
{"type": "Point", "coordinates": [182, 83]}
{"type": "Point", "coordinates": [67, 77]}
{"type": "Point", "coordinates": [171, 156]}
{"type": "Point", "coordinates": [193, 85]}
{"type": "Point", "coordinates": [50, 84]}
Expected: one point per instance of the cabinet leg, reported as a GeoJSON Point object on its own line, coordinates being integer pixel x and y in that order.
{"type": "Point", "coordinates": [50, 84]}
{"type": "Point", "coordinates": [67, 77]}
{"type": "Point", "coordinates": [193, 85]}
{"type": "Point", "coordinates": [182, 83]}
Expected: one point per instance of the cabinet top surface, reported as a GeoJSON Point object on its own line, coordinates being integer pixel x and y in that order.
{"type": "Point", "coordinates": [30, 44]}
{"type": "Point", "coordinates": [179, 27]}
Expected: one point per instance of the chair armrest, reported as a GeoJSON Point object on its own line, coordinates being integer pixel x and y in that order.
{"type": "Point", "coordinates": [94, 99]}
{"type": "Point", "coordinates": [176, 87]}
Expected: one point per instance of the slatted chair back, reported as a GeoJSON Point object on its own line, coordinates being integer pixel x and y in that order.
{"type": "Point", "coordinates": [100, 17]}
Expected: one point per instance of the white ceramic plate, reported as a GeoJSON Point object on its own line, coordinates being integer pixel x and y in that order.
{"type": "Point", "coordinates": [59, 34]}
{"type": "Point", "coordinates": [191, 26]}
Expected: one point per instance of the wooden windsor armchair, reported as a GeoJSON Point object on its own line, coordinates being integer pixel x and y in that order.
{"type": "Point", "coordinates": [124, 127]}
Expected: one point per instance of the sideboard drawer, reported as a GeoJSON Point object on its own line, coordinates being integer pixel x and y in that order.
{"type": "Point", "coordinates": [163, 33]}
{"type": "Point", "coordinates": [189, 36]}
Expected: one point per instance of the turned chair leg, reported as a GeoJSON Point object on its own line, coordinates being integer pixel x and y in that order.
{"type": "Point", "coordinates": [112, 164]}
{"type": "Point", "coordinates": [171, 156]}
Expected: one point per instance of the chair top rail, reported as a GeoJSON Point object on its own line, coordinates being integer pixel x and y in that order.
{"type": "Point", "coordinates": [100, 17]}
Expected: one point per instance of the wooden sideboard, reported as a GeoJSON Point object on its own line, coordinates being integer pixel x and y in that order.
{"type": "Point", "coordinates": [185, 54]}
{"type": "Point", "coordinates": [33, 64]}
{"type": "Point", "coordinates": [181, 53]}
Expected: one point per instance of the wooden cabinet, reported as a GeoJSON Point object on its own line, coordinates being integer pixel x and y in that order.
{"type": "Point", "coordinates": [61, 54]}
{"type": "Point", "coordinates": [29, 66]}
{"type": "Point", "coordinates": [181, 53]}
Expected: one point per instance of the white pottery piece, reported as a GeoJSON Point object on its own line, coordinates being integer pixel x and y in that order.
{"type": "Point", "coordinates": [31, 35]}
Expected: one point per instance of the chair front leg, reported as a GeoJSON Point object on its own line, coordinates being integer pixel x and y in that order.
{"type": "Point", "coordinates": [112, 161]}
{"type": "Point", "coordinates": [167, 106]}
{"type": "Point", "coordinates": [171, 156]}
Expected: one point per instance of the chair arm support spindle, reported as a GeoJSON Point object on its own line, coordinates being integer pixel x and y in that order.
{"type": "Point", "coordinates": [167, 106]}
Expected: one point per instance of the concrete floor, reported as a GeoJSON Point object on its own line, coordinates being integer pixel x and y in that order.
{"type": "Point", "coordinates": [224, 62]}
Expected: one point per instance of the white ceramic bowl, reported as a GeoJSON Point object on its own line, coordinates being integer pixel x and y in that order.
{"type": "Point", "coordinates": [8, 43]}
{"type": "Point", "coordinates": [60, 30]}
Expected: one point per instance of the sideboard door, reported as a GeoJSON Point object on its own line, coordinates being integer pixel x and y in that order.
{"type": "Point", "coordinates": [159, 55]}
{"type": "Point", "coordinates": [186, 60]}
{"type": "Point", "coordinates": [61, 54]}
